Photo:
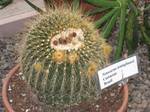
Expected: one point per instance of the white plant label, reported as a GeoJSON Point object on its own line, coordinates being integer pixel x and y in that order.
{"type": "Point", "coordinates": [118, 71]}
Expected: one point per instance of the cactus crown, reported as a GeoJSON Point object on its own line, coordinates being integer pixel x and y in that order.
{"type": "Point", "coordinates": [62, 54]}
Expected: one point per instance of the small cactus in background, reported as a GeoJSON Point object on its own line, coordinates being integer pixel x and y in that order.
{"type": "Point", "coordinates": [62, 54]}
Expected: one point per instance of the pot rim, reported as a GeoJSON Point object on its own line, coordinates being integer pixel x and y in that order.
{"type": "Point", "coordinates": [9, 108]}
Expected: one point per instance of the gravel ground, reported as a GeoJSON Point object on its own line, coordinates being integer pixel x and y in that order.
{"type": "Point", "coordinates": [8, 57]}
{"type": "Point", "coordinates": [139, 86]}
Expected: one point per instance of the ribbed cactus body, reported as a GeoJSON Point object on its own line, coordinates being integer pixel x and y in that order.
{"type": "Point", "coordinates": [62, 54]}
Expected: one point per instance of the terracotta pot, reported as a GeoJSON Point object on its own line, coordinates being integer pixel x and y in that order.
{"type": "Point", "coordinates": [12, 72]}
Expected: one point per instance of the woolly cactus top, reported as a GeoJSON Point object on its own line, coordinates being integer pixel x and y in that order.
{"type": "Point", "coordinates": [63, 52]}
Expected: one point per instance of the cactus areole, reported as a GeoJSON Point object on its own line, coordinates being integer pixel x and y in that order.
{"type": "Point", "coordinates": [62, 54]}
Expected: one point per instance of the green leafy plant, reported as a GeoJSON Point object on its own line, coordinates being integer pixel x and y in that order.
{"type": "Point", "coordinates": [61, 57]}
{"type": "Point", "coordinates": [129, 15]}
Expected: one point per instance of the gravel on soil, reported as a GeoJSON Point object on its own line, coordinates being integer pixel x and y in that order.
{"type": "Point", "coordinates": [8, 57]}
{"type": "Point", "coordinates": [139, 85]}
{"type": "Point", "coordinates": [23, 99]}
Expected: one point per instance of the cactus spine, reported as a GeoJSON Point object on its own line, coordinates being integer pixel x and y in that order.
{"type": "Point", "coordinates": [62, 54]}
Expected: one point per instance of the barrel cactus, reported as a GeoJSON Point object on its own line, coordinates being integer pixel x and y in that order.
{"type": "Point", "coordinates": [62, 54]}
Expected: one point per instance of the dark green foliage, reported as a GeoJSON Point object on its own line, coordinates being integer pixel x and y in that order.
{"type": "Point", "coordinates": [130, 15]}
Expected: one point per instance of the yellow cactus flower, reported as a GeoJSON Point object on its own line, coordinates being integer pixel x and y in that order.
{"type": "Point", "coordinates": [58, 56]}
{"type": "Point", "coordinates": [37, 67]}
{"type": "Point", "coordinates": [73, 57]}
{"type": "Point", "coordinates": [106, 50]}
{"type": "Point", "coordinates": [91, 69]}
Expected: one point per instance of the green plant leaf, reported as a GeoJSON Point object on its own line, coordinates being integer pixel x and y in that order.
{"type": "Point", "coordinates": [136, 35]}
{"type": "Point", "coordinates": [145, 36]}
{"type": "Point", "coordinates": [120, 39]}
{"type": "Point", "coordinates": [108, 29]}
{"type": "Point", "coordinates": [34, 6]}
{"type": "Point", "coordinates": [96, 11]}
{"type": "Point", "coordinates": [103, 3]}
{"type": "Point", "coordinates": [147, 19]}
{"type": "Point", "coordinates": [76, 4]}
{"type": "Point", "coordinates": [99, 22]}
{"type": "Point", "coordinates": [147, 7]}
{"type": "Point", "coordinates": [134, 8]}
{"type": "Point", "coordinates": [129, 32]}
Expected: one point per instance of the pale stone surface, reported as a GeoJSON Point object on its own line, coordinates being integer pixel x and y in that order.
{"type": "Point", "coordinates": [16, 15]}
{"type": "Point", "coordinates": [18, 7]}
